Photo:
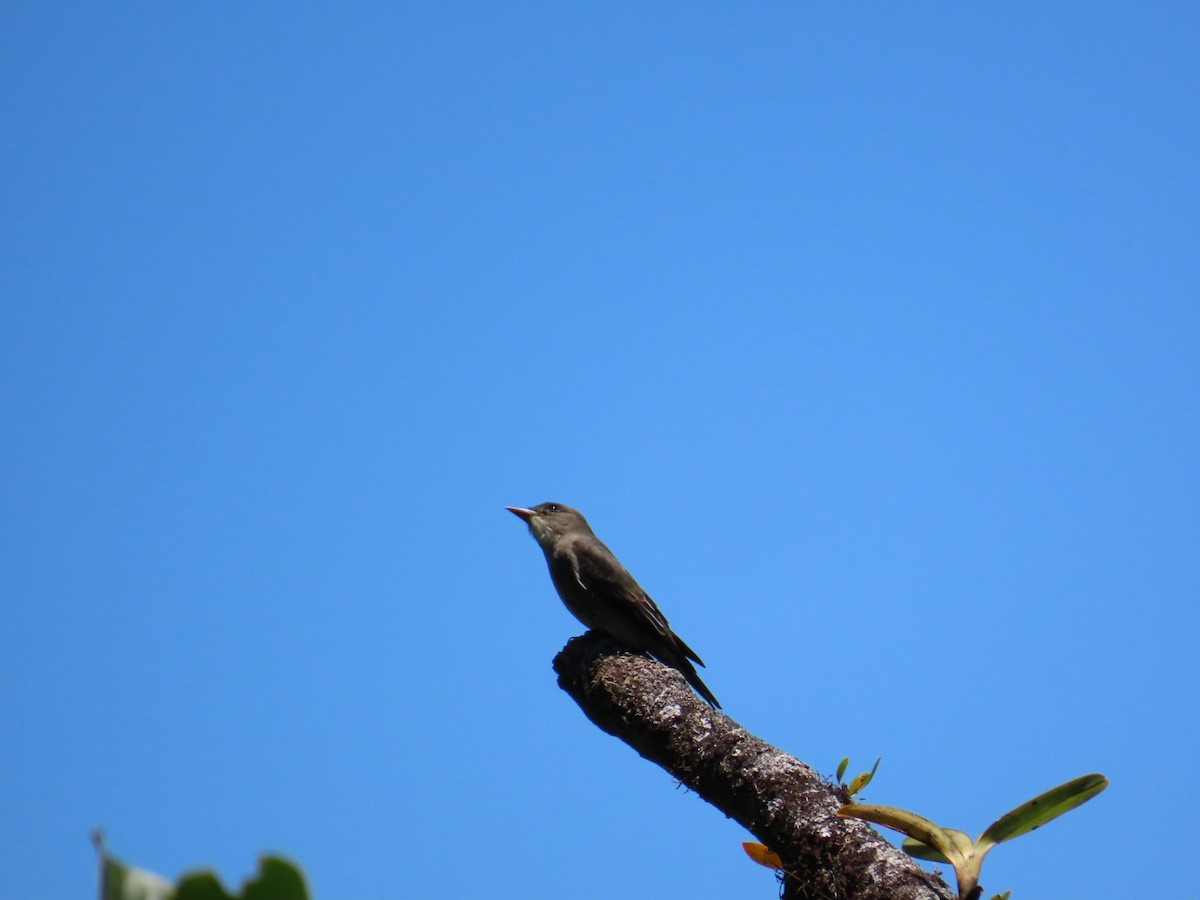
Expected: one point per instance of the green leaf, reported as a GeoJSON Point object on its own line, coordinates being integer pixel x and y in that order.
{"type": "Point", "coordinates": [842, 768]}
{"type": "Point", "coordinates": [1042, 808]}
{"type": "Point", "coordinates": [1003, 896]}
{"type": "Point", "coordinates": [908, 823]}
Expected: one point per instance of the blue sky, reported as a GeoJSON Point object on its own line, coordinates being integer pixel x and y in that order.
{"type": "Point", "coordinates": [866, 335]}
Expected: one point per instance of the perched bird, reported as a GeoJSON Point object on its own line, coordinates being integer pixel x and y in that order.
{"type": "Point", "coordinates": [601, 593]}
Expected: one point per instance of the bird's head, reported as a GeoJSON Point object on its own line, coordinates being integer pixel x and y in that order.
{"type": "Point", "coordinates": [550, 521]}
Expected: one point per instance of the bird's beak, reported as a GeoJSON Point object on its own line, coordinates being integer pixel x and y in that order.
{"type": "Point", "coordinates": [521, 512]}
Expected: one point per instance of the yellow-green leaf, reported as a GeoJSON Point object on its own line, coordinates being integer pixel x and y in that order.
{"type": "Point", "coordinates": [862, 779]}
{"type": "Point", "coordinates": [921, 850]}
{"type": "Point", "coordinates": [908, 823]}
{"type": "Point", "coordinates": [1042, 808]}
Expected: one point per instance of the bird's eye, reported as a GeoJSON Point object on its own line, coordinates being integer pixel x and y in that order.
{"type": "Point", "coordinates": [552, 507]}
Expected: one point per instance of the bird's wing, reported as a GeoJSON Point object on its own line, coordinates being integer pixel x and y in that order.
{"type": "Point", "coordinates": [598, 571]}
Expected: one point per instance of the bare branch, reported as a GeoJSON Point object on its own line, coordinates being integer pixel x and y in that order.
{"type": "Point", "coordinates": [780, 800]}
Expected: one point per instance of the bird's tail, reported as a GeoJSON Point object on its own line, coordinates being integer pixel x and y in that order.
{"type": "Point", "coordinates": [684, 665]}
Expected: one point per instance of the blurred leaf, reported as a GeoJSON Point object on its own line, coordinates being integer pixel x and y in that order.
{"type": "Point", "coordinates": [1003, 896]}
{"type": "Point", "coordinates": [201, 886]}
{"type": "Point", "coordinates": [762, 855]}
{"type": "Point", "coordinates": [277, 879]}
{"type": "Point", "coordinates": [842, 768]}
{"type": "Point", "coordinates": [122, 882]}
{"type": "Point", "coordinates": [1042, 808]}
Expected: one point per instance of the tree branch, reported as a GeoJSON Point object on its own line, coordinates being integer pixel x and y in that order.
{"type": "Point", "coordinates": [780, 800]}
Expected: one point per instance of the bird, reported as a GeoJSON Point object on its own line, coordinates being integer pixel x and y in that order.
{"type": "Point", "coordinates": [601, 593]}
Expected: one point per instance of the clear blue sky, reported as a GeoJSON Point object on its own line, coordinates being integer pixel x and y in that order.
{"type": "Point", "coordinates": [866, 334]}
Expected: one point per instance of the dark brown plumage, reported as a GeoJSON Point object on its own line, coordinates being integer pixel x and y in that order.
{"type": "Point", "coordinates": [601, 593]}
